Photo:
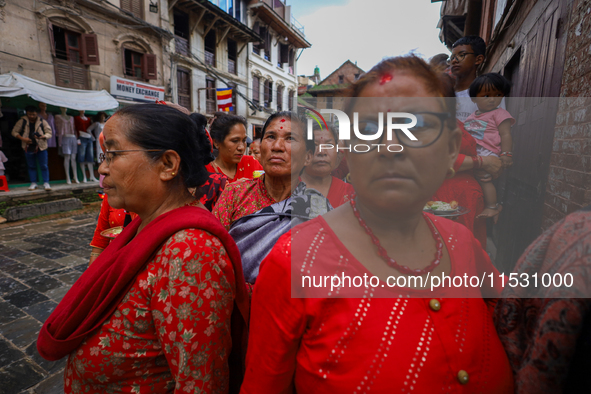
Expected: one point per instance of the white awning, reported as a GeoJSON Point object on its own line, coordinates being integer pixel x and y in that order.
{"type": "Point", "coordinates": [13, 84]}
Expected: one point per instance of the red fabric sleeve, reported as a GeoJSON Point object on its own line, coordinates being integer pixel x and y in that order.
{"type": "Point", "coordinates": [98, 241]}
{"type": "Point", "coordinates": [459, 161]}
{"type": "Point", "coordinates": [277, 325]}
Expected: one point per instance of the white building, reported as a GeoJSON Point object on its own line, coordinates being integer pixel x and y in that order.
{"type": "Point", "coordinates": [210, 51]}
{"type": "Point", "coordinates": [272, 69]}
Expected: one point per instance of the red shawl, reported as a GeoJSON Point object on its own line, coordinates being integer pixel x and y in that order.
{"type": "Point", "coordinates": [95, 296]}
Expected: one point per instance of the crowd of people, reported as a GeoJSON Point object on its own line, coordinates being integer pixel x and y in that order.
{"type": "Point", "coordinates": [196, 294]}
{"type": "Point", "coordinates": [76, 138]}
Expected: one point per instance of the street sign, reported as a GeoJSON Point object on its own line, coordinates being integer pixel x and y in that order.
{"type": "Point", "coordinates": [135, 91]}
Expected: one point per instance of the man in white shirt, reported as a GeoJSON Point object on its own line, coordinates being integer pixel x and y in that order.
{"type": "Point", "coordinates": [466, 55]}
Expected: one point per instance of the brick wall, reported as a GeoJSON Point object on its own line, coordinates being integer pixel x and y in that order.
{"type": "Point", "coordinates": [569, 178]}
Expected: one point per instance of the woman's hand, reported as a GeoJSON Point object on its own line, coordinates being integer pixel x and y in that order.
{"type": "Point", "coordinates": [492, 165]}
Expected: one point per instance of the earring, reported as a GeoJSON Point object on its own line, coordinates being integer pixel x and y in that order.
{"type": "Point", "coordinates": [173, 174]}
{"type": "Point", "coordinates": [451, 173]}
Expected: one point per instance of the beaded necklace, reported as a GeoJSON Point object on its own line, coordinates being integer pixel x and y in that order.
{"type": "Point", "coordinates": [390, 261]}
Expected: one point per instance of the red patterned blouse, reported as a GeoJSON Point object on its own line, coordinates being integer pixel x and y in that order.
{"type": "Point", "coordinates": [171, 331]}
{"type": "Point", "coordinates": [241, 199]}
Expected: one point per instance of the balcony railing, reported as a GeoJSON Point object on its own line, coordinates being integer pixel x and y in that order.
{"type": "Point", "coordinates": [297, 25]}
{"type": "Point", "coordinates": [210, 58]}
{"type": "Point", "coordinates": [182, 46]}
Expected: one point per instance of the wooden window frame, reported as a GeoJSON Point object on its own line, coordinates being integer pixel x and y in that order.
{"type": "Point", "coordinates": [141, 6]}
{"type": "Point", "coordinates": [280, 89]}
{"type": "Point", "coordinates": [188, 72]}
{"type": "Point", "coordinates": [210, 95]}
{"type": "Point", "coordinates": [149, 65]}
{"type": "Point", "coordinates": [268, 93]}
{"type": "Point", "coordinates": [290, 100]}
{"type": "Point", "coordinates": [256, 90]}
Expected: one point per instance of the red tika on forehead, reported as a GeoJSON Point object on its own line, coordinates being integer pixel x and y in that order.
{"type": "Point", "coordinates": [282, 120]}
{"type": "Point", "coordinates": [385, 78]}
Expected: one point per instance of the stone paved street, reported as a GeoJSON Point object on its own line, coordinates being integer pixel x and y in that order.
{"type": "Point", "coordinates": [38, 264]}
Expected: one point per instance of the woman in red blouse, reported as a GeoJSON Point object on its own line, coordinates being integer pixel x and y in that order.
{"type": "Point", "coordinates": [376, 338]}
{"type": "Point", "coordinates": [163, 307]}
{"type": "Point", "coordinates": [229, 137]}
{"type": "Point", "coordinates": [283, 154]}
{"type": "Point", "coordinates": [464, 188]}
{"type": "Point", "coordinates": [317, 174]}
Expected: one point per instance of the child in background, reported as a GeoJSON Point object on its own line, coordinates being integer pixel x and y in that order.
{"type": "Point", "coordinates": [491, 127]}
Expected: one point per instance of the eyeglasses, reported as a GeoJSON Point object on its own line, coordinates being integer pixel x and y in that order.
{"type": "Point", "coordinates": [109, 155]}
{"type": "Point", "coordinates": [427, 131]}
{"type": "Point", "coordinates": [459, 57]}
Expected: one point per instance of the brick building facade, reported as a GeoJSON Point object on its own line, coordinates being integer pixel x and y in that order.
{"type": "Point", "coordinates": [569, 178]}
{"type": "Point", "coordinates": [542, 47]}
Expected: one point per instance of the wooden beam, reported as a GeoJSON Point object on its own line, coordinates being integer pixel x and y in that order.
{"type": "Point", "coordinates": [210, 26]}
{"type": "Point", "coordinates": [171, 4]}
{"type": "Point", "coordinates": [199, 18]}
{"type": "Point", "coordinates": [241, 48]}
{"type": "Point", "coordinates": [224, 35]}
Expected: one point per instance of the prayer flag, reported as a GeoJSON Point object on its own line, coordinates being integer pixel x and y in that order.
{"type": "Point", "coordinates": [224, 97]}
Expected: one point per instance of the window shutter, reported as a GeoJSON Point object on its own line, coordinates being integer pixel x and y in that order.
{"type": "Point", "coordinates": [51, 40]}
{"type": "Point", "coordinates": [256, 96]}
{"type": "Point", "coordinates": [79, 78]}
{"type": "Point", "coordinates": [90, 52]}
{"type": "Point", "coordinates": [284, 54]}
{"type": "Point", "coordinates": [63, 75]}
{"type": "Point", "coordinates": [266, 92]}
{"type": "Point", "coordinates": [136, 8]}
{"type": "Point", "coordinates": [126, 5]}
{"type": "Point", "coordinates": [149, 67]}
{"type": "Point", "coordinates": [267, 43]}
{"type": "Point", "coordinates": [133, 6]}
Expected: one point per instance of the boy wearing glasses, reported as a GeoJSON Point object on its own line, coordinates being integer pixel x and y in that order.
{"type": "Point", "coordinates": [466, 55]}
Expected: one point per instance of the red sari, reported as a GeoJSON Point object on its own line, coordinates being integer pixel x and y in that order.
{"type": "Point", "coordinates": [241, 199]}
{"type": "Point", "coordinates": [466, 190]}
{"type": "Point", "coordinates": [339, 192]}
{"type": "Point", "coordinates": [172, 327]}
{"type": "Point", "coordinates": [245, 169]}
{"type": "Point", "coordinates": [385, 345]}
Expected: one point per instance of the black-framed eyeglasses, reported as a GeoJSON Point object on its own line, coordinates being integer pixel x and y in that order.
{"type": "Point", "coordinates": [109, 155]}
{"type": "Point", "coordinates": [459, 57]}
{"type": "Point", "coordinates": [427, 131]}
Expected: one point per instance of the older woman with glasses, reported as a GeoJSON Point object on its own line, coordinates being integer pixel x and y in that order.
{"type": "Point", "coordinates": [258, 211]}
{"type": "Point", "coordinates": [153, 312]}
{"type": "Point", "coordinates": [391, 333]}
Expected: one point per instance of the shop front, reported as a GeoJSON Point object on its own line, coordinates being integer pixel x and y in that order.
{"type": "Point", "coordinates": [17, 92]}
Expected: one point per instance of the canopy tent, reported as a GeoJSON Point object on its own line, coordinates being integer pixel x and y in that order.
{"type": "Point", "coordinates": [24, 91]}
